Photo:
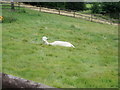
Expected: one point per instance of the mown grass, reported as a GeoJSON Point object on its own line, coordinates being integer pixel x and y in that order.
{"type": "Point", "coordinates": [92, 64]}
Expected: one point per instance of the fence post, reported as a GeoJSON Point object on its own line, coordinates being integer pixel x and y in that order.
{"type": "Point", "coordinates": [12, 6]}
{"type": "Point", "coordinates": [91, 18]}
{"type": "Point", "coordinates": [19, 5]}
{"type": "Point", "coordinates": [111, 21]}
{"type": "Point", "coordinates": [118, 19]}
{"type": "Point", "coordinates": [40, 8]}
{"type": "Point", "coordinates": [59, 11]}
{"type": "Point", "coordinates": [74, 13]}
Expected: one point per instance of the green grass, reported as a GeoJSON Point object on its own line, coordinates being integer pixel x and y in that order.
{"type": "Point", "coordinates": [92, 64]}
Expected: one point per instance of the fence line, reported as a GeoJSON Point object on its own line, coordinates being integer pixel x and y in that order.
{"type": "Point", "coordinates": [71, 13]}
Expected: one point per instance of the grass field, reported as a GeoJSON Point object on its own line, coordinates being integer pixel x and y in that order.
{"type": "Point", "coordinates": [92, 64]}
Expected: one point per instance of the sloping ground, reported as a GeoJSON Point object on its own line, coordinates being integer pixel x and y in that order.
{"type": "Point", "coordinates": [92, 64]}
{"type": "Point", "coordinates": [68, 13]}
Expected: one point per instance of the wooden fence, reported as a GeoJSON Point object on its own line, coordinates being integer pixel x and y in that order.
{"type": "Point", "coordinates": [7, 5]}
{"type": "Point", "coordinates": [71, 13]}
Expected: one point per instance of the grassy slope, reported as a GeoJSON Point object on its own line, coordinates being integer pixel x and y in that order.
{"type": "Point", "coordinates": [93, 63]}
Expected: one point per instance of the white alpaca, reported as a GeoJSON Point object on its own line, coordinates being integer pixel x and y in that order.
{"type": "Point", "coordinates": [57, 43]}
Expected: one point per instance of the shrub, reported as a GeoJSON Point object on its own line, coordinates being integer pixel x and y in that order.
{"type": "Point", "coordinates": [9, 19]}
{"type": "Point", "coordinates": [22, 11]}
{"type": "Point", "coordinates": [96, 8]}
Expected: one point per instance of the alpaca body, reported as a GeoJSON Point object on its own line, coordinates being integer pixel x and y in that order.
{"type": "Point", "coordinates": [57, 43]}
{"type": "Point", "coordinates": [61, 43]}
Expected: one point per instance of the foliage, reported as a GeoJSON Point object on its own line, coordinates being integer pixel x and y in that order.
{"type": "Point", "coordinates": [109, 8]}
{"type": "Point", "coordinates": [88, 6]}
{"type": "Point", "coordinates": [75, 6]}
{"type": "Point", "coordinates": [9, 19]}
{"type": "Point", "coordinates": [63, 5]}
{"type": "Point", "coordinates": [92, 64]}
{"type": "Point", "coordinates": [113, 8]}
{"type": "Point", "coordinates": [96, 8]}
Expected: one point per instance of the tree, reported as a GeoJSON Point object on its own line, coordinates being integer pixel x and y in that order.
{"type": "Point", "coordinates": [63, 5]}
{"type": "Point", "coordinates": [96, 8]}
{"type": "Point", "coordinates": [113, 8]}
{"type": "Point", "coordinates": [75, 6]}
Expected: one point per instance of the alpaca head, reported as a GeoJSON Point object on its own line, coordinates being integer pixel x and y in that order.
{"type": "Point", "coordinates": [44, 38]}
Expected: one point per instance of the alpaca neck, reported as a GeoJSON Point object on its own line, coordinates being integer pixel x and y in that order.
{"type": "Point", "coordinates": [46, 42]}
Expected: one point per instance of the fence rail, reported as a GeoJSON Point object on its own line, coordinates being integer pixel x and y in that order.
{"type": "Point", "coordinates": [71, 13]}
